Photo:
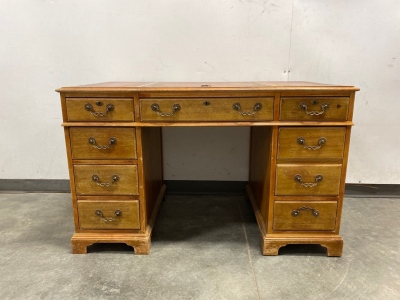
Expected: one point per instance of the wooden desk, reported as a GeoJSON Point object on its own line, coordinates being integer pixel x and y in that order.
{"type": "Point", "coordinates": [300, 135]}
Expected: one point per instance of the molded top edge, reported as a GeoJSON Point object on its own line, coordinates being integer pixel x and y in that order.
{"type": "Point", "coordinates": [205, 86]}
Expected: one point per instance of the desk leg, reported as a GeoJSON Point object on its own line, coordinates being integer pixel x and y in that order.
{"type": "Point", "coordinates": [271, 246]}
{"type": "Point", "coordinates": [80, 241]}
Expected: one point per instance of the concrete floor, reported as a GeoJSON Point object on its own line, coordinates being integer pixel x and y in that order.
{"type": "Point", "coordinates": [204, 247]}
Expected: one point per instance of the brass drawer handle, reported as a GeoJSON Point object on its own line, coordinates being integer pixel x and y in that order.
{"type": "Point", "coordinates": [89, 107]}
{"type": "Point", "coordinates": [302, 141]}
{"type": "Point", "coordinates": [314, 212]}
{"type": "Point", "coordinates": [155, 107]}
{"type": "Point", "coordinates": [238, 108]}
{"type": "Point", "coordinates": [96, 178]}
{"type": "Point", "coordinates": [318, 178]}
{"type": "Point", "coordinates": [112, 141]}
{"type": "Point", "coordinates": [304, 107]}
{"type": "Point", "coordinates": [99, 213]}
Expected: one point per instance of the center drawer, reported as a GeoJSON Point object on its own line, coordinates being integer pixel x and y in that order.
{"type": "Point", "coordinates": [103, 143]}
{"type": "Point", "coordinates": [106, 179]}
{"type": "Point", "coordinates": [109, 214]}
{"type": "Point", "coordinates": [207, 109]}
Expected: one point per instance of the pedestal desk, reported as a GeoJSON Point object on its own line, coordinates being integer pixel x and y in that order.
{"type": "Point", "coordinates": [300, 133]}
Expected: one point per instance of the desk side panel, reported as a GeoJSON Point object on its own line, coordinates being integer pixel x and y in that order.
{"type": "Point", "coordinates": [260, 168]}
{"type": "Point", "coordinates": [152, 166]}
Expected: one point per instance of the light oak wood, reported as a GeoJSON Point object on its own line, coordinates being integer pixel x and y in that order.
{"type": "Point", "coordinates": [71, 171]}
{"type": "Point", "coordinates": [151, 140]}
{"type": "Point", "coordinates": [123, 109]}
{"type": "Point", "coordinates": [124, 147]}
{"type": "Point", "coordinates": [272, 242]}
{"type": "Point", "coordinates": [343, 175]}
{"type": "Point", "coordinates": [325, 218]}
{"type": "Point", "coordinates": [276, 156]}
{"type": "Point", "coordinates": [287, 86]}
{"type": "Point", "coordinates": [105, 161]}
{"type": "Point", "coordinates": [129, 218]}
{"type": "Point", "coordinates": [141, 242]}
{"type": "Point", "coordinates": [127, 184]}
{"type": "Point", "coordinates": [207, 109]}
{"type": "Point", "coordinates": [260, 167]}
{"type": "Point", "coordinates": [205, 124]}
{"type": "Point", "coordinates": [290, 148]}
{"type": "Point", "coordinates": [287, 185]}
{"type": "Point", "coordinates": [333, 245]}
{"type": "Point", "coordinates": [338, 108]}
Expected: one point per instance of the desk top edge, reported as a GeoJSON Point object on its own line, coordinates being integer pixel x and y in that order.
{"type": "Point", "coordinates": [206, 86]}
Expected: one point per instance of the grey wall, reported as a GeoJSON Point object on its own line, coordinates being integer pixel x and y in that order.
{"type": "Point", "coordinates": [48, 44]}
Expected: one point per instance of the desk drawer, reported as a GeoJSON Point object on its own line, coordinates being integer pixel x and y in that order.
{"type": "Point", "coordinates": [100, 109]}
{"type": "Point", "coordinates": [109, 214]}
{"type": "Point", "coordinates": [207, 109]}
{"type": "Point", "coordinates": [106, 179]}
{"type": "Point", "coordinates": [300, 215]}
{"type": "Point", "coordinates": [311, 142]}
{"type": "Point", "coordinates": [103, 143]}
{"type": "Point", "coordinates": [308, 179]}
{"type": "Point", "coordinates": [314, 108]}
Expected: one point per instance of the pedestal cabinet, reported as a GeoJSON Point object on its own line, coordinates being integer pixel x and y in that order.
{"type": "Point", "coordinates": [300, 133]}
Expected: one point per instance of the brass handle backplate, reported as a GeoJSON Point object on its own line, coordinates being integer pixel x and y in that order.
{"type": "Point", "coordinates": [314, 212]}
{"type": "Point", "coordinates": [302, 141]}
{"type": "Point", "coordinates": [89, 108]}
{"type": "Point", "coordinates": [112, 141]}
{"type": "Point", "coordinates": [304, 107]}
{"type": "Point", "coordinates": [238, 108]}
{"type": "Point", "coordinates": [117, 213]}
{"type": "Point", "coordinates": [155, 107]}
{"type": "Point", "coordinates": [96, 179]}
{"type": "Point", "coordinates": [299, 179]}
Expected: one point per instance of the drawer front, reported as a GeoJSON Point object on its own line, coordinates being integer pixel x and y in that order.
{"type": "Point", "coordinates": [109, 214]}
{"type": "Point", "coordinates": [308, 179]}
{"type": "Point", "coordinates": [311, 142]}
{"type": "Point", "coordinates": [207, 109]}
{"type": "Point", "coordinates": [305, 215]}
{"type": "Point", "coordinates": [103, 143]}
{"type": "Point", "coordinates": [100, 109]}
{"type": "Point", "coordinates": [314, 108]}
{"type": "Point", "coordinates": [106, 179]}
